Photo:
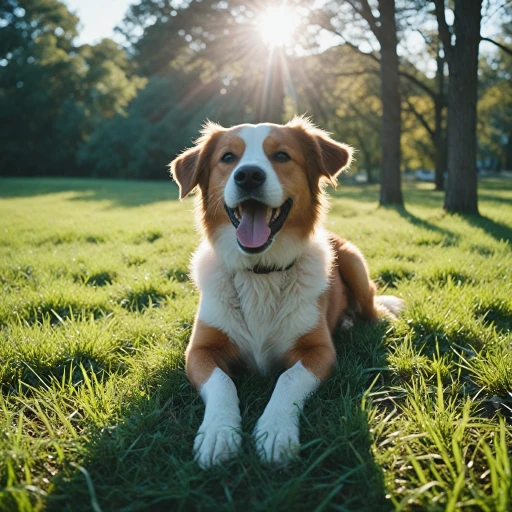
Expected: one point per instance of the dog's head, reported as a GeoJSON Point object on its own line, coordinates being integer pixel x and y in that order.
{"type": "Point", "coordinates": [261, 186]}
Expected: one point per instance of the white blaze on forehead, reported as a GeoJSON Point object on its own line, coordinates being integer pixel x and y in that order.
{"type": "Point", "coordinates": [272, 192]}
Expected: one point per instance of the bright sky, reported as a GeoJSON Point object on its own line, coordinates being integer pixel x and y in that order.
{"type": "Point", "coordinates": [98, 17]}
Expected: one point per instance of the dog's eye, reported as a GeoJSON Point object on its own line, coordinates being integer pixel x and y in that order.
{"type": "Point", "coordinates": [281, 156]}
{"type": "Point", "coordinates": [228, 158]}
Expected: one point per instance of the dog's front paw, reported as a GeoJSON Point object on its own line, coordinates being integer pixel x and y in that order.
{"type": "Point", "coordinates": [215, 444]}
{"type": "Point", "coordinates": [277, 441]}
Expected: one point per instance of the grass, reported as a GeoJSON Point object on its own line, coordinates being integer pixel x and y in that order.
{"type": "Point", "coordinates": [96, 309]}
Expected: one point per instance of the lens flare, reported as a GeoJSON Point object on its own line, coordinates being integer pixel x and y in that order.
{"type": "Point", "coordinates": [277, 25]}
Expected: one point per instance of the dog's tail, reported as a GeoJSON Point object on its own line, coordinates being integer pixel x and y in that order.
{"type": "Point", "coordinates": [354, 273]}
{"type": "Point", "coordinates": [389, 305]}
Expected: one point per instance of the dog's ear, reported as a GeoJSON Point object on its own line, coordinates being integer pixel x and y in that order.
{"type": "Point", "coordinates": [185, 170]}
{"type": "Point", "coordinates": [325, 158]}
{"type": "Point", "coordinates": [192, 167]}
{"type": "Point", "coordinates": [335, 156]}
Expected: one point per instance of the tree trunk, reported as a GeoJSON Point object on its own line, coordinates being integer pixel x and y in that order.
{"type": "Point", "coordinates": [390, 190]}
{"type": "Point", "coordinates": [440, 143]}
{"type": "Point", "coordinates": [440, 134]}
{"type": "Point", "coordinates": [461, 187]}
{"type": "Point", "coordinates": [508, 153]}
{"type": "Point", "coordinates": [367, 159]}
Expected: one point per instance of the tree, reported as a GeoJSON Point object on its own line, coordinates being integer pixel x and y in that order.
{"type": "Point", "coordinates": [52, 92]}
{"type": "Point", "coordinates": [345, 100]}
{"type": "Point", "coordinates": [462, 58]}
{"type": "Point", "coordinates": [384, 29]}
{"type": "Point", "coordinates": [219, 38]}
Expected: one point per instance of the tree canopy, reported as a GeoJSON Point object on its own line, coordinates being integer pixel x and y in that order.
{"type": "Point", "coordinates": [124, 111]}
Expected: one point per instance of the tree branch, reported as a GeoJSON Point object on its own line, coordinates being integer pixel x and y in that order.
{"type": "Point", "coordinates": [405, 74]}
{"type": "Point", "coordinates": [364, 10]}
{"type": "Point", "coordinates": [506, 49]}
{"type": "Point", "coordinates": [421, 119]}
{"type": "Point", "coordinates": [419, 83]}
{"type": "Point", "coordinates": [444, 29]}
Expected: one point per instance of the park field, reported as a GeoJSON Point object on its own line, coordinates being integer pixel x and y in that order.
{"type": "Point", "coordinates": [96, 309]}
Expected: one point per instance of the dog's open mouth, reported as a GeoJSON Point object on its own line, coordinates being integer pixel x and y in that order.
{"type": "Point", "coordinates": [256, 223]}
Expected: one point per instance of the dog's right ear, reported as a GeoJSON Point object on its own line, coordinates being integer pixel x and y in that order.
{"type": "Point", "coordinates": [192, 167]}
{"type": "Point", "coordinates": [185, 170]}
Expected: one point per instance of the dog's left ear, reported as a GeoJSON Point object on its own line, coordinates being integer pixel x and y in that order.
{"type": "Point", "coordinates": [192, 167]}
{"type": "Point", "coordinates": [335, 156]}
{"type": "Point", "coordinates": [325, 158]}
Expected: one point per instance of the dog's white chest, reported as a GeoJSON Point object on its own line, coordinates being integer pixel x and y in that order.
{"type": "Point", "coordinates": [263, 314]}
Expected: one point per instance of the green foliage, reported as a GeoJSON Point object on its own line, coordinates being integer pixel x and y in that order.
{"type": "Point", "coordinates": [96, 310]}
{"type": "Point", "coordinates": [156, 126]}
{"type": "Point", "coordinates": [105, 111]}
{"type": "Point", "coordinates": [52, 92]}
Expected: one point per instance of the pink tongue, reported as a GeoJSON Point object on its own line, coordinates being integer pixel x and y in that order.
{"type": "Point", "coordinates": [253, 230]}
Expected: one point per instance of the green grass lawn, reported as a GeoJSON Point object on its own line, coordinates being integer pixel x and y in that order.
{"type": "Point", "coordinates": [96, 309]}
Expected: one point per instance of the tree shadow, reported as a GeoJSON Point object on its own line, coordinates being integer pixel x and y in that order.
{"type": "Point", "coordinates": [117, 193]}
{"type": "Point", "coordinates": [450, 237]}
{"type": "Point", "coordinates": [497, 230]}
{"type": "Point", "coordinates": [144, 460]}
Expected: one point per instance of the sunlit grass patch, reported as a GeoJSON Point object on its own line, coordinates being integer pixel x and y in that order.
{"type": "Point", "coordinates": [96, 309]}
{"type": "Point", "coordinates": [150, 236]}
{"type": "Point", "coordinates": [95, 277]}
{"type": "Point", "coordinates": [491, 368]}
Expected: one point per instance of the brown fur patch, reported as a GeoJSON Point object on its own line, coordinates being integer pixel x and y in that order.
{"type": "Point", "coordinates": [353, 269]}
{"type": "Point", "coordinates": [192, 167]}
{"type": "Point", "coordinates": [209, 348]}
{"type": "Point", "coordinates": [315, 350]}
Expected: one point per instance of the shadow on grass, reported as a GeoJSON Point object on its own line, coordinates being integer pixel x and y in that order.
{"type": "Point", "coordinates": [497, 230]}
{"type": "Point", "coordinates": [144, 461]}
{"type": "Point", "coordinates": [451, 237]}
{"type": "Point", "coordinates": [117, 192]}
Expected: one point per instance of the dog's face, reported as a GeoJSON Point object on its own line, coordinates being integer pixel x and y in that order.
{"type": "Point", "coordinates": [260, 183]}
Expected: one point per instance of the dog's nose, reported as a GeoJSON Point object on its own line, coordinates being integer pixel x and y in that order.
{"type": "Point", "coordinates": [250, 177]}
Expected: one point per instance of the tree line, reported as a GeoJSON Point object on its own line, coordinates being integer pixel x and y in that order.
{"type": "Point", "coordinates": [404, 81]}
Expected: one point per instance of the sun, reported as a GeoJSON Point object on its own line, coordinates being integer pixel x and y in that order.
{"type": "Point", "coordinates": [277, 25]}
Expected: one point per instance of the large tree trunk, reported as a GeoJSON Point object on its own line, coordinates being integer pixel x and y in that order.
{"type": "Point", "coordinates": [390, 190]}
{"type": "Point", "coordinates": [461, 187]}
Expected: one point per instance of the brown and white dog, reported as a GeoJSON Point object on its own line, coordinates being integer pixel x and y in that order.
{"type": "Point", "coordinates": [273, 283]}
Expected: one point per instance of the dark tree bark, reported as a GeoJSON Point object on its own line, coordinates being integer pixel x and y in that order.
{"type": "Point", "coordinates": [390, 190]}
{"type": "Point", "coordinates": [384, 29]}
{"type": "Point", "coordinates": [440, 162]}
{"type": "Point", "coordinates": [439, 131]}
{"type": "Point", "coordinates": [367, 159]}
{"type": "Point", "coordinates": [461, 188]}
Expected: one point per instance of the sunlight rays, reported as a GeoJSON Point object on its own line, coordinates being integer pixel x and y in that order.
{"type": "Point", "coordinates": [277, 25]}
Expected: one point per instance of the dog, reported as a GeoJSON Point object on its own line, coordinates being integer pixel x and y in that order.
{"type": "Point", "coordinates": [274, 284]}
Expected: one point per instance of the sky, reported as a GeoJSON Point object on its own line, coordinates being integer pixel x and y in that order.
{"type": "Point", "coordinates": [98, 17]}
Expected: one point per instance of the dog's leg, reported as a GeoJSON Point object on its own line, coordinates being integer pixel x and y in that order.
{"type": "Point", "coordinates": [309, 363]}
{"type": "Point", "coordinates": [355, 274]}
{"type": "Point", "coordinates": [208, 360]}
